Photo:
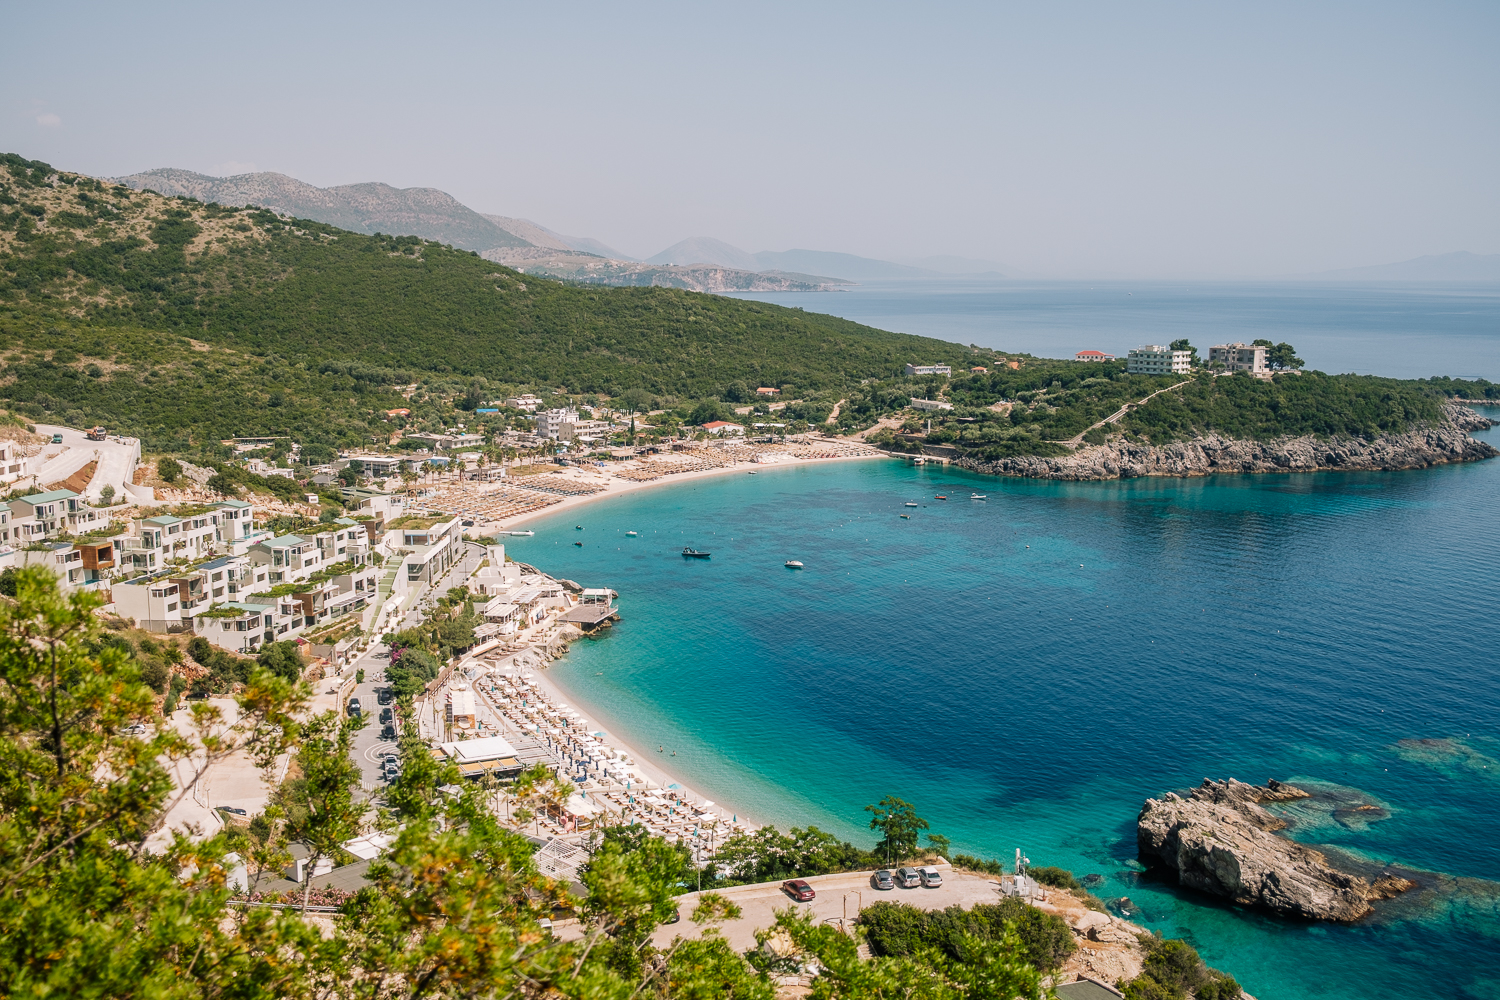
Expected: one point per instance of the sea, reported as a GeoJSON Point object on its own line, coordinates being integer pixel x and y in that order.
{"type": "Point", "coordinates": [1371, 328]}
{"type": "Point", "coordinates": [1027, 668]}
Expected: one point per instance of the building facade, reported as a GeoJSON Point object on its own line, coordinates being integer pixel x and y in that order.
{"type": "Point", "coordinates": [1153, 359]}
{"type": "Point", "coordinates": [1240, 357]}
{"type": "Point", "coordinates": [912, 369]}
{"type": "Point", "coordinates": [1093, 356]}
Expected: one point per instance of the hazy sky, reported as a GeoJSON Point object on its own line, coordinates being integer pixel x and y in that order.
{"type": "Point", "coordinates": [1059, 139]}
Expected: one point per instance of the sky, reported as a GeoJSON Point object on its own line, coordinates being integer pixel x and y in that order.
{"type": "Point", "coordinates": [1166, 140]}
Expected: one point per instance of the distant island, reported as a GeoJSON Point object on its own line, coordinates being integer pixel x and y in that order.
{"type": "Point", "coordinates": [1460, 266]}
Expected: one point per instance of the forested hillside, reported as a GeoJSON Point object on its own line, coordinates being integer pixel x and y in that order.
{"type": "Point", "coordinates": [182, 321]}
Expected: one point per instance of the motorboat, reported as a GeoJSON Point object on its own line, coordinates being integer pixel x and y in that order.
{"type": "Point", "coordinates": [752, 472]}
{"type": "Point", "coordinates": [940, 496]}
{"type": "Point", "coordinates": [910, 504]}
{"type": "Point", "coordinates": [793, 564]}
{"type": "Point", "coordinates": [631, 534]}
{"type": "Point", "coordinates": [907, 516]}
{"type": "Point", "coordinates": [919, 460]}
{"type": "Point", "coordinates": [977, 496]}
{"type": "Point", "coordinates": [689, 553]}
{"type": "Point", "coordinates": [579, 544]}
{"type": "Point", "coordinates": [517, 534]}
{"type": "Point", "coordinates": [577, 527]}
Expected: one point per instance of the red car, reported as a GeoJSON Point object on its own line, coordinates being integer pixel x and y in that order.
{"type": "Point", "coordinates": [798, 890]}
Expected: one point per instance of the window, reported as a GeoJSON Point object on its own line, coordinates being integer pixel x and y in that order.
{"type": "Point", "coordinates": [172, 606]}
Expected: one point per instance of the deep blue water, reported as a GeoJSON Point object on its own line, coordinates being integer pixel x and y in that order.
{"type": "Point", "coordinates": [1028, 669]}
{"type": "Point", "coordinates": [1402, 331]}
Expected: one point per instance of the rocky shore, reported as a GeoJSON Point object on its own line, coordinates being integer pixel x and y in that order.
{"type": "Point", "coordinates": [1222, 840]}
{"type": "Point", "coordinates": [1419, 448]}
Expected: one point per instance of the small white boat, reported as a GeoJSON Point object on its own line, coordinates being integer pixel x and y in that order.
{"type": "Point", "coordinates": [911, 505]}
{"type": "Point", "coordinates": [793, 564]}
{"type": "Point", "coordinates": [518, 534]}
{"type": "Point", "coordinates": [919, 460]}
{"type": "Point", "coordinates": [630, 534]}
{"type": "Point", "coordinates": [977, 496]}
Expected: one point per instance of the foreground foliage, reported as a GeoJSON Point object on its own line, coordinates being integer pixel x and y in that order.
{"type": "Point", "coordinates": [101, 899]}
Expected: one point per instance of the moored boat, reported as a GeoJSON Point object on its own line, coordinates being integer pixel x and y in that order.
{"type": "Point", "coordinates": [690, 553]}
{"type": "Point", "coordinates": [793, 564]}
{"type": "Point", "coordinates": [941, 496]}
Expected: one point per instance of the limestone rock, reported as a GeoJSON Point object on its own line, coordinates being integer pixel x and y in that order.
{"type": "Point", "coordinates": [1421, 447]}
{"type": "Point", "coordinates": [1221, 840]}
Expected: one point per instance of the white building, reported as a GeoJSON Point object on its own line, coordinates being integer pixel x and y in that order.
{"type": "Point", "coordinates": [912, 369]}
{"type": "Point", "coordinates": [1240, 357]}
{"type": "Point", "coordinates": [930, 404]}
{"type": "Point", "coordinates": [12, 462]}
{"type": "Point", "coordinates": [528, 402]}
{"type": "Point", "coordinates": [1093, 356]}
{"type": "Point", "coordinates": [558, 424]}
{"type": "Point", "coordinates": [1153, 359]}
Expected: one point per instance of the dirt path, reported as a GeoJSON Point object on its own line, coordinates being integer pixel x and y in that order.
{"type": "Point", "coordinates": [883, 423]}
{"type": "Point", "coordinates": [1076, 440]}
{"type": "Point", "coordinates": [833, 417]}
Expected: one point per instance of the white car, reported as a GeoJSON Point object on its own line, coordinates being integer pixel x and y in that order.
{"type": "Point", "coordinates": [931, 877]}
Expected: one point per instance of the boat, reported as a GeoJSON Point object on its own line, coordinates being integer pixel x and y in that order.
{"type": "Point", "coordinates": [940, 496]}
{"type": "Point", "coordinates": [907, 516]}
{"type": "Point", "coordinates": [919, 460]}
{"type": "Point", "coordinates": [517, 534]}
{"type": "Point", "coordinates": [909, 504]}
{"type": "Point", "coordinates": [977, 496]}
{"type": "Point", "coordinates": [793, 564]}
{"type": "Point", "coordinates": [694, 554]}
{"type": "Point", "coordinates": [579, 544]}
{"type": "Point", "coordinates": [578, 527]}
{"type": "Point", "coordinates": [630, 534]}
{"type": "Point", "coordinates": [753, 473]}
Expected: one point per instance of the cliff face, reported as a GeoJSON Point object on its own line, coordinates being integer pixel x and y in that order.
{"type": "Point", "coordinates": [1221, 840]}
{"type": "Point", "coordinates": [1418, 448]}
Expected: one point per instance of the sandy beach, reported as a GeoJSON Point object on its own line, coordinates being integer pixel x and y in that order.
{"type": "Point", "coordinates": [612, 486]}
{"type": "Point", "coordinates": [649, 763]}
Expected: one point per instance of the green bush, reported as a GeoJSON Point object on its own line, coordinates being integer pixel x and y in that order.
{"type": "Point", "coordinates": [898, 929]}
{"type": "Point", "coordinates": [1058, 878]}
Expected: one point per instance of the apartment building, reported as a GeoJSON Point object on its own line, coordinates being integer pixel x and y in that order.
{"type": "Point", "coordinates": [912, 369]}
{"type": "Point", "coordinates": [40, 516]}
{"type": "Point", "coordinates": [1240, 357]}
{"type": "Point", "coordinates": [557, 425]}
{"type": "Point", "coordinates": [12, 462]}
{"type": "Point", "coordinates": [1153, 359]}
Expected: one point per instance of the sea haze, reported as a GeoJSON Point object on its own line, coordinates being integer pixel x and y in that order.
{"type": "Point", "coordinates": [1403, 331]}
{"type": "Point", "coordinates": [1027, 669]}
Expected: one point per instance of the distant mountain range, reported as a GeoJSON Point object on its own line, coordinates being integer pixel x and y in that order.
{"type": "Point", "coordinates": [700, 263]}
{"type": "Point", "coordinates": [363, 208]}
{"type": "Point", "coordinates": [1459, 266]}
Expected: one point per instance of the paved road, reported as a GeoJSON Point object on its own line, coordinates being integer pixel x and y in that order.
{"type": "Point", "coordinates": [116, 460]}
{"type": "Point", "coordinates": [367, 742]}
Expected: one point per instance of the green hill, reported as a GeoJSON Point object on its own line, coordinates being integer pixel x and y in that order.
{"type": "Point", "coordinates": [185, 322]}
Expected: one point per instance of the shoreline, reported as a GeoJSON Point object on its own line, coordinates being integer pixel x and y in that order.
{"type": "Point", "coordinates": [614, 487]}
{"type": "Point", "coordinates": [644, 763]}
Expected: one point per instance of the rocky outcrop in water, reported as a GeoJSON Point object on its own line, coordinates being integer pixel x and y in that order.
{"type": "Point", "coordinates": [1222, 840]}
{"type": "Point", "coordinates": [1419, 448]}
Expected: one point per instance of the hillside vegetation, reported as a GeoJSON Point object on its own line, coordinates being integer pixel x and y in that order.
{"type": "Point", "coordinates": [181, 321]}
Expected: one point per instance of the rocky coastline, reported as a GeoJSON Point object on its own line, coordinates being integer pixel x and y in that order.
{"type": "Point", "coordinates": [1435, 444]}
{"type": "Point", "coordinates": [1222, 840]}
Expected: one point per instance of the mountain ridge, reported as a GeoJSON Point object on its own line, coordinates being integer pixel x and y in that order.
{"type": "Point", "coordinates": [369, 207]}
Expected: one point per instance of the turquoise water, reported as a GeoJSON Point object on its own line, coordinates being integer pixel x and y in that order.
{"type": "Point", "coordinates": [1029, 668]}
{"type": "Point", "coordinates": [1403, 331]}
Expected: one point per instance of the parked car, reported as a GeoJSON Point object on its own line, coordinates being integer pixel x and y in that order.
{"type": "Point", "coordinates": [384, 696]}
{"type": "Point", "coordinates": [135, 729]}
{"type": "Point", "coordinates": [931, 877]}
{"type": "Point", "coordinates": [388, 732]}
{"type": "Point", "coordinates": [798, 890]}
{"type": "Point", "coordinates": [883, 879]}
{"type": "Point", "coordinates": [908, 878]}
{"type": "Point", "coordinates": [386, 716]}
{"type": "Point", "coordinates": [354, 709]}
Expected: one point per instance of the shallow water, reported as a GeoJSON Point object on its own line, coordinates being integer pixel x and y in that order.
{"type": "Point", "coordinates": [1027, 669]}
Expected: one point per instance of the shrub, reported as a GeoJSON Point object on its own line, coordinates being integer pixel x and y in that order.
{"type": "Point", "coordinates": [8, 581]}
{"type": "Point", "coordinates": [284, 659]}
{"type": "Point", "coordinates": [169, 470]}
{"type": "Point", "coordinates": [1058, 878]}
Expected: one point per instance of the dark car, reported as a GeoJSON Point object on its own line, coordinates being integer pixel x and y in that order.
{"type": "Point", "coordinates": [386, 716]}
{"type": "Point", "coordinates": [388, 732]}
{"type": "Point", "coordinates": [384, 696]}
{"type": "Point", "coordinates": [354, 709]}
{"type": "Point", "coordinates": [798, 890]}
{"type": "Point", "coordinates": [883, 879]}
